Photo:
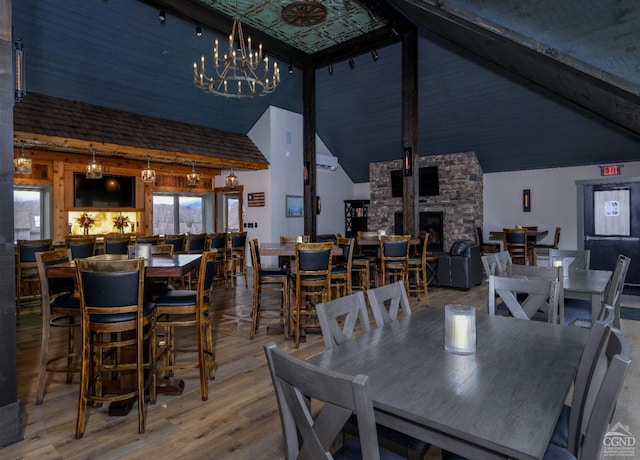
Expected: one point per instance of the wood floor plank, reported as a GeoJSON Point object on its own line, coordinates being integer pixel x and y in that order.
{"type": "Point", "coordinates": [239, 421]}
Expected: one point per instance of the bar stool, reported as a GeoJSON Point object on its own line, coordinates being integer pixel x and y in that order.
{"type": "Point", "coordinates": [179, 243]}
{"type": "Point", "coordinates": [197, 243]}
{"type": "Point", "coordinates": [417, 266]}
{"type": "Point", "coordinates": [237, 257]}
{"type": "Point", "coordinates": [116, 244]}
{"type": "Point", "coordinates": [28, 281]}
{"type": "Point", "coordinates": [341, 271]}
{"type": "Point", "coordinates": [394, 257]}
{"type": "Point", "coordinates": [81, 246]}
{"type": "Point", "coordinates": [310, 284]}
{"type": "Point", "coordinates": [115, 318]}
{"type": "Point", "coordinates": [218, 241]}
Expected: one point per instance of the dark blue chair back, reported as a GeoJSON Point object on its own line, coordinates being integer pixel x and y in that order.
{"type": "Point", "coordinates": [116, 247]}
{"type": "Point", "coordinates": [197, 242]}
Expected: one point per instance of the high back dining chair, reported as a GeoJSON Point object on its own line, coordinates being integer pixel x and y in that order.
{"type": "Point", "coordinates": [541, 294]}
{"type": "Point", "coordinates": [341, 271]}
{"type": "Point", "coordinates": [266, 279]}
{"type": "Point", "coordinates": [550, 273]}
{"type": "Point", "coordinates": [515, 242]}
{"type": "Point", "coordinates": [576, 259]}
{"type": "Point", "coordinates": [284, 261]}
{"type": "Point", "coordinates": [394, 258]}
{"type": "Point", "coordinates": [497, 263]}
{"type": "Point", "coordinates": [148, 239]}
{"type": "Point", "coordinates": [237, 257]}
{"type": "Point", "coordinates": [81, 246]}
{"type": "Point", "coordinates": [28, 281]}
{"type": "Point", "coordinates": [339, 318]}
{"type": "Point", "coordinates": [189, 308]}
{"type": "Point", "coordinates": [485, 248]}
{"type": "Point", "coordinates": [60, 309]}
{"type": "Point", "coordinates": [543, 249]}
{"type": "Point", "coordinates": [310, 284]}
{"type": "Point", "coordinates": [116, 244]}
{"type": "Point", "coordinates": [218, 241]}
{"type": "Point", "coordinates": [386, 302]}
{"type": "Point", "coordinates": [196, 243]}
{"type": "Point", "coordinates": [310, 434]}
{"type": "Point", "coordinates": [114, 316]}
{"type": "Point", "coordinates": [417, 266]}
{"type": "Point", "coordinates": [179, 243]}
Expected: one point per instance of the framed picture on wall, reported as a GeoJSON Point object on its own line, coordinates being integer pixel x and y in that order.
{"type": "Point", "coordinates": [294, 206]}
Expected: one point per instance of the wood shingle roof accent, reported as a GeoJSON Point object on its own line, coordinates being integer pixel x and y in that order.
{"type": "Point", "coordinates": [58, 124]}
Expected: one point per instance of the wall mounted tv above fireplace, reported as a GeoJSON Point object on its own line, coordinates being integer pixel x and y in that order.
{"type": "Point", "coordinates": [108, 192]}
{"type": "Point", "coordinates": [428, 183]}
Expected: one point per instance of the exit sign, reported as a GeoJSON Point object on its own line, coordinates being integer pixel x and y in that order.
{"type": "Point", "coordinates": [610, 170]}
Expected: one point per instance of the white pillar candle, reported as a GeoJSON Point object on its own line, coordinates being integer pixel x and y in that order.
{"type": "Point", "coordinates": [460, 329]}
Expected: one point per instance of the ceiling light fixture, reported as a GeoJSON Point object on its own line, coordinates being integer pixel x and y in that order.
{"type": "Point", "coordinates": [162, 16]}
{"type": "Point", "coordinates": [94, 169]}
{"type": "Point", "coordinates": [236, 74]}
{"type": "Point", "coordinates": [352, 63]}
{"type": "Point", "coordinates": [374, 55]}
{"type": "Point", "coordinates": [231, 180]}
{"type": "Point", "coordinates": [21, 86]}
{"type": "Point", "coordinates": [22, 164]}
{"type": "Point", "coordinates": [148, 175]}
{"type": "Point", "coordinates": [198, 31]}
{"type": "Point", "coordinates": [193, 178]}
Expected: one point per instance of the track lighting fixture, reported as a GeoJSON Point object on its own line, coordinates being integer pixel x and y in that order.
{"type": "Point", "coordinates": [394, 31]}
{"type": "Point", "coordinates": [290, 68]}
{"type": "Point", "coordinates": [330, 68]}
{"type": "Point", "coordinates": [372, 15]}
{"type": "Point", "coordinates": [199, 31]}
{"type": "Point", "coordinates": [162, 16]}
{"type": "Point", "coordinates": [352, 63]}
{"type": "Point", "coordinates": [374, 55]}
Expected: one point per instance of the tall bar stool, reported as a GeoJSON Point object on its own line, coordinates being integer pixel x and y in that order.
{"type": "Point", "coordinates": [189, 308]}
{"type": "Point", "coordinates": [148, 239]}
{"type": "Point", "coordinates": [179, 243]}
{"type": "Point", "coordinates": [60, 309]}
{"type": "Point", "coordinates": [341, 272]}
{"type": "Point", "coordinates": [115, 318]}
{"type": "Point", "coordinates": [394, 258]}
{"type": "Point", "coordinates": [116, 244]}
{"type": "Point", "coordinates": [237, 257]}
{"type": "Point", "coordinates": [28, 281]}
{"type": "Point", "coordinates": [82, 246]}
{"type": "Point", "coordinates": [310, 284]}
{"type": "Point", "coordinates": [197, 243]}
{"type": "Point", "coordinates": [417, 266]}
{"type": "Point", "coordinates": [218, 241]}
{"type": "Point", "coordinates": [515, 242]}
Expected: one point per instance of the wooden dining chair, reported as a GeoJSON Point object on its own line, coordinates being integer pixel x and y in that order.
{"type": "Point", "coordinates": [543, 249]}
{"type": "Point", "coordinates": [27, 278]}
{"type": "Point", "coordinates": [266, 279]}
{"type": "Point", "coordinates": [115, 316]}
{"type": "Point", "coordinates": [417, 270]}
{"type": "Point", "coordinates": [196, 243]}
{"type": "Point", "coordinates": [148, 239]}
{"type": "Point", "coordinates": [394, 258]}
{"type": "Point", "coordinates": [339, 318]}
{"type": "Point", "coordinates": [386, 302]}
{"type": "Point", "coordinates": [310, 284]}
{"type": "Point", "coordinates": [237, 257]}
{"type": "Point", "coordinates": [179, 243]}
{"type": "Point", "coordinates": [60, 310]}
{"type": "Point", "coordinates": [576, 259]}
{"type": "Point", "coordinates": [342, 270]}
{"type": "Point", "coordinates": [299, 386]}
{"type": "Point", "coordinates": [81, 246]}
{"type": "Point", "coordinates": [515, 242]}
{"type": "Point", "coordinates": [549, 273]}
{"type": "Point", "coordinates": [116, 244]}
{"type": "Point", "coordinates": [485, 248]}
{"type": "Point", "coordinates": [540, 294]}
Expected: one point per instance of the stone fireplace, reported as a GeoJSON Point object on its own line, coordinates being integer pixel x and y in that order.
{"type": "Point", "coordinates": [458, 207]}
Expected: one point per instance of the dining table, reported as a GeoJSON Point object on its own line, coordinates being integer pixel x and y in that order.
{"type": "Point", "coordinates": [287, 249]}
{"type": "Point", "coordinates": [533, 236]}
{"type": "Point", "coordinates": [586, 284]}
{"type": "Point", "coordinates": [502, 401]}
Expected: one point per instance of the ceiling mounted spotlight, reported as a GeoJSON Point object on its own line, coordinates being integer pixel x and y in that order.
{"type": "Point", "coordinates": [352, 63]}
{"type": "Point", "coordinates": [374, 55]}
{"type": "Point", "coordinates": [330, 68]}
{"type": "Point", "coordinates": [290, 68]}
{"type": "Point", "coordinates": [394, 31]}
{"type": "Point", "coordinates": [162, 16]}
{"type": "Point", "coordinates": [199, 31]}
{"type": "Point", "coordinates": [372, 15]}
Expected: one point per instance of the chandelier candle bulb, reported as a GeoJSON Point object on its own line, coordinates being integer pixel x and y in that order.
{"type": "Point", "coordinates": [460, 329]}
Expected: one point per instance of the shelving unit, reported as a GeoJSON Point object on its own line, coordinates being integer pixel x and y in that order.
{"type": "Point", "coordinates": [355, 217]}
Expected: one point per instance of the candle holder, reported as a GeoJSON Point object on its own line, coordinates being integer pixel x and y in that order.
{"type": "Point", "coordinates": [460, 329]}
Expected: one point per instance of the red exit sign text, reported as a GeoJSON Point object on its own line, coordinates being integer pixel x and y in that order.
{"type": "Point", "coordinates": [610, 170]}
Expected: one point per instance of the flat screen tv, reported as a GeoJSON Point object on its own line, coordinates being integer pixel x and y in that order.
{"type": "Point", "coordinates": [108, 192]}
{"type": "Point", "coordinates": [428, 184]}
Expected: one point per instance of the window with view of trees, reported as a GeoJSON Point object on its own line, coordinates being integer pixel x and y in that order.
{"type": "Point", "coordinates": [174, 214]}
{"type": "Point", "coordinates": [29, 213]}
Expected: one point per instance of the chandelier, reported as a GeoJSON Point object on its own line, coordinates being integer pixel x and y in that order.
{"type": "Point", "coordinates": [94, 169]}
{"type": "Point", "coordinates": [22, 164]}
{"type": "Point", "coordinates": [231, 180]}
{"type": "Point", "coordinates": [242, 72]}
{"type": "Point", "coordinates": [193, 178]}
{"type": "Point", "coordinates": [148, 175]}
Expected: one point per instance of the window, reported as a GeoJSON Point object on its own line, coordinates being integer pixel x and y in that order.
{"type": "Point", "coordinates": [178, 214]}
{"type": "Point", "coordinates": [31, 213]}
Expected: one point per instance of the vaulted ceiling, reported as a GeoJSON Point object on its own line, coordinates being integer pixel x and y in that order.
{"type": "Point", "coordinates": [525, 84]}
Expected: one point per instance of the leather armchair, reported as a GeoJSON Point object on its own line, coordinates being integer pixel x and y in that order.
{"type": "Point", "coordinates": [462, 267]}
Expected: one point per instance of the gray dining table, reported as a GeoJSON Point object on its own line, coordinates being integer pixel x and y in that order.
{"type": "Point", "coordinates": [587, 284]}
{"type": "Point", "coordinates": [501, 402]}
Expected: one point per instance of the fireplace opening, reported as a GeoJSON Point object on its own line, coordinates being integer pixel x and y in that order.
{"type": "Point", "coordinates": [432, 223]}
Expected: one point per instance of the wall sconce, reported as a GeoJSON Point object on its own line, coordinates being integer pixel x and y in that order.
{"type": "Point", "coordinates": [193, 178]}
{"type": "Point", "coordinates": [148, 175]}
{"type": "Point", "coordinates": [22, 164]}
{"type": "Point", "coordinates": [231, 180]}
{"type": "Point", "coordinates": [460, 329]}
{"type": "Point", "coordinates": [526, 200]}
{"type": "Point", "coordinates": [21, 85]}
{"type": "Point", "coordinates": [94, 169]}
{"type": "Point", "coordinates": [407, 161]}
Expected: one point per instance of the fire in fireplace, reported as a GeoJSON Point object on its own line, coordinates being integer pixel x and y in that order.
{"type": "Point", "coordinates": [431, 222]}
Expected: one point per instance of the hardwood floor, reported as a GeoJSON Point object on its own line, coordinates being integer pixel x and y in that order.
{"type": "Point", "coordinates": [239, 421]}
